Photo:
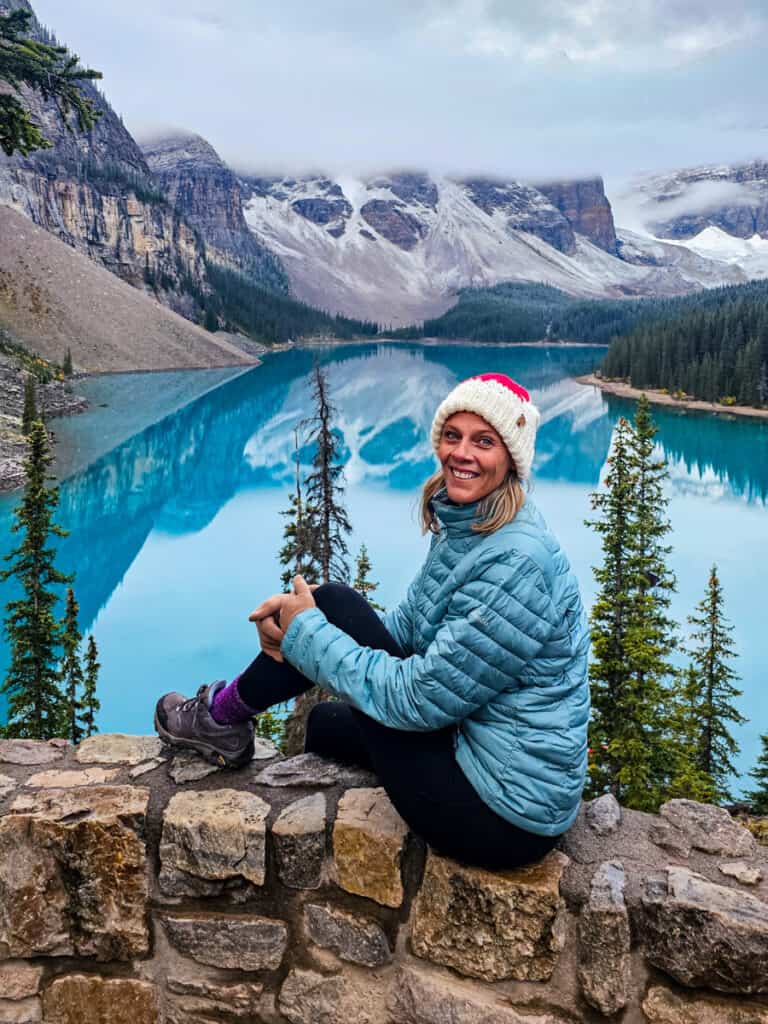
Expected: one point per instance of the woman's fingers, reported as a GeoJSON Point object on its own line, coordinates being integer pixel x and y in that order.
{"type": "Point", "coordinates": [269, 630]}
{"type": "Point", "coordinates": [267, 608]}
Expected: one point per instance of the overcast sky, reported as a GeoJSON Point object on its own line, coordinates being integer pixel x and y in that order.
{"type": "Point", "coordinates": [527, 88]}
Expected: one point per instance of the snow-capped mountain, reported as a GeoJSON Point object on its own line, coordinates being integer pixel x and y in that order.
{"type": "Point", "coordinates": [397, 248]}
{"type": "Point", "coordinates": [718, 213]}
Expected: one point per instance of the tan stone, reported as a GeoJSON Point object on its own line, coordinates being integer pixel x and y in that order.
{"type": "Point", "coordinates": [215, 835]}
{"type": "Point", "coordinates": [145, 767]}
{"type": "Point", "coordinates": [200, 1000]}
{"type": "Point", "coordinates": [55, 779]}
{"type": "Point", "coordinates": [7, 786]}
{"type": "Point", "coordinates": [22, 1011]}
{"type": "Point", "coordinates": [491, 925]}
{"type": "Point", "coordinates": [662, 1006]}
{"type": "Point", "coordinates": [368, 840]}
{"type": "Point", "coordinates": [709, 828]}
{"type": "Point", "coordinates": [73, 874]}
{"type": "Point", "coordinates": [421, 997]}
{"type": "Point", "coordinates": [88, 999]}
{"type": "Point", "coordinates": [747, 874]}
{"type": "Point", "coordinates": [299, 838]}
{"type": "Point", "coordinates": [605, 970]}
{"type": "Point", "coordinates": [30, 751]}
{"type": "Point", "coordinates": [19, 979]}
{"type": "Point", "coordinates": [118, 748]}
{"type": "Point", "coordinates": [307, 997]}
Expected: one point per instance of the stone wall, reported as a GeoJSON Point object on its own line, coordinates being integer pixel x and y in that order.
{"type": "Point", "coordinates": [137, 887]}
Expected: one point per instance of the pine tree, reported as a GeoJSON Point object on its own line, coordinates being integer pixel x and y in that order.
{"type": "Point", "coordinates": [34, 698]}
{"type": "Point", "coordinates": [363, 585]}
{"type": "Point", "coordinates": [758, 798]}
{"type": "Point", "coordinates": [71, 672]}
{"type": "Point", "coordinates": [90, 704]}
{"type": "Point", "coordinates": [325, 487]}
{"type": "Point", "coordinates": [632, 635]}
{"type": "Point", "coordinates": [299, 552]}
{"type": "Point", "coordinates": [710, 657]}
{"type": "Point", "coordinates": [67, 364]}
{"type": "Point", "coordinates": [686, 777]}
{"type": "Point", "coordinates": [29, 413]}
{"type": "Point", "coordinates": [48, 69]}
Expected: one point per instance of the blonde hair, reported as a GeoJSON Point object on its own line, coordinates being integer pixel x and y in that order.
{"type": "Point", "coordinates": [496, 509]}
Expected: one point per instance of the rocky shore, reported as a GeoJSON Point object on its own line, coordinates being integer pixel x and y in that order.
{"type": "Point", "coordinates": [624, 390]}
{"type": "Point", "coordinates": [146, 886]}
{"type": "Point", "coordinates": [54, 399]}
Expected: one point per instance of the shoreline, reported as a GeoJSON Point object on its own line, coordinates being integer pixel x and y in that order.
{"type": "Point", "coordinates": [656, 397]}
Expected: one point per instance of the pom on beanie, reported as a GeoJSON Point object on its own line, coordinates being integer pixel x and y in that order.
{"type": "Point", "coordinates": [502, 403]}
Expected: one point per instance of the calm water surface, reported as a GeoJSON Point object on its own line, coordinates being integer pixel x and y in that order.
{"type": "Point", "coordinates": [173, 502]}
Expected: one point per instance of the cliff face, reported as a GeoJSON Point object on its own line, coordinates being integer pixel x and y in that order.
{"type": "Point", "coordinates": [291, 890]}
{"type": "Point", "coordinates": [585, 206]}
{"type": "Point", "coordinates": [97, 193]}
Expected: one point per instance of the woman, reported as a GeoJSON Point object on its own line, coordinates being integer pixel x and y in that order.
{"type": "Point", "coordinates": [470, 699]}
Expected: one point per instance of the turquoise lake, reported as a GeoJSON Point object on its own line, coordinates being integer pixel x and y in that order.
{"type": "Point", "coordinates": [173, 484]}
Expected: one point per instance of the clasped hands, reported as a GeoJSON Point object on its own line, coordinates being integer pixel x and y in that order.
{"type": "Point", "coordinates": [274, 616]}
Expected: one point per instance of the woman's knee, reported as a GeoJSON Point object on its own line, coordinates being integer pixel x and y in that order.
{"type": "Point", "coordinates": [332, 596]}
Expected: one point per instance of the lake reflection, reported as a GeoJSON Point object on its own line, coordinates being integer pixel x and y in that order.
{"type": "Point", "coordinates": [174, 531]}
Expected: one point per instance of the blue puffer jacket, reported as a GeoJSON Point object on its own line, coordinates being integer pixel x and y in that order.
{"type": "Point", "coordinates": [497, 642]}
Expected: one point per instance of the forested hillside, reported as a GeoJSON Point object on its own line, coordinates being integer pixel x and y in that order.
{"type": "Point", "coordinates": [714, 349]}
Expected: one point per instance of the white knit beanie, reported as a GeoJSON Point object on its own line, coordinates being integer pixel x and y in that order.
{"type": "Point", "coordinates": [503, 404]}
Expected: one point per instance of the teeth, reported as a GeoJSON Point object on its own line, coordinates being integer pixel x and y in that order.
{"type": "Point", "coordinates": [462, 475]}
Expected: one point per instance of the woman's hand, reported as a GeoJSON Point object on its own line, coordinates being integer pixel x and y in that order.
{"type": "Point", "coordinates": [299, 601]}
{"type": "Point", "coordinates": [268, 619]}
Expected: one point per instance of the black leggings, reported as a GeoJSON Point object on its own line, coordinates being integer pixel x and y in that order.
{"type": "Point", "coordinates": [418, 770]}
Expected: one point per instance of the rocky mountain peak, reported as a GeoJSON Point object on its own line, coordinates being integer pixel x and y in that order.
{"type": "Point", "coordinates": [178, 150]}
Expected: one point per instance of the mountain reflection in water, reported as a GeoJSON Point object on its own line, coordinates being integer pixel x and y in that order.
{"type": "Point", "coordinates": [174, 532]}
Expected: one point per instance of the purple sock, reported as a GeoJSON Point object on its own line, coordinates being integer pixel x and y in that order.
{"type": "Point", "coordinates": [228, 707]}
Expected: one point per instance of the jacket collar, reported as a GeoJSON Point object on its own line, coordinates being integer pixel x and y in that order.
{"type": "Point", "coordinates": [455, 519]}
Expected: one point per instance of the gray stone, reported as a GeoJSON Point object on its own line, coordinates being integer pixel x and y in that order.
{"type": "Point", "coordinates": [307, 997]}
{"type": "Point", "coordinates": [190, 767]}
{"type": "Point", "coordinates": [604, 814]}
{"type": "Point", "coordinates": [73, 874]}
{"type": "Point", "coordinates": [230, 941]}
{"type": "Point", "coordinates": [90, 999]}
{"type": "Point", "coordinates": [418, 997]}
{"type": "Point", "coordinates": [747, 874]}
{"type": "Point", "coordinates": [19, 979]}
{"type": "Point", "coordinates": [669, 838]}
{"type": "Point", "coordinates": [7, 786]}
{"type": "Point", "coordinates": [368, 842]}
{"type": "Point", "coordinates": [310, 770]}
{"type": "Point", "coordinates": [263, 749]}
{"type": "Point", "coordinates": [55, 778]}
{"type": "Point", "coordinates": [663, 1006]}
{"type": "Point", "coordinates": [605, 968]}
{"type": "Point", "coordinates": [22, 1011]}
{"type": "Point", "coordinates": [709, 828]}
{"type": "Point", "coordinates": [491, 924]}
{"type": "Point", "coordinates": [351, 938]}
{"type": "Point", "coordinates": [299, 835]}
{"type": "Point", "coordinates": [145, 767]}
{"type": "Point", "coordinates": [705, 934]}
{"type": "Point", "coordinates": [30, 751]}
{"type": "Point", "coordinates": [213, 836]}
{"type": "Point", "coordinates": [193, 1000]}
{"type": "Point", "coordinates": [117, 748]}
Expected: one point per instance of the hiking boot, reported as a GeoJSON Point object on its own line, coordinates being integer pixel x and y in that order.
{"type": "Point", "coordinates": [186, 722]}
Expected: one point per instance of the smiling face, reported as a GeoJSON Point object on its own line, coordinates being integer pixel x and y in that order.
{"type": "Point", "coordinates": [473, 456]}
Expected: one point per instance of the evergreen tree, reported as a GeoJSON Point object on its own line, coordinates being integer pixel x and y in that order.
{"type": "Point", "coordinates": [71, 672]}
{"type": "Point", "coordinates": [48, 69]}
{"type": "Point", "coordinates": [686, 777]}
{"type": "Point", "coordinates": [67, 364]}
{"type": "Point", "coordinates": [325, 487]}
{"type": "Point", "coordinates": [363, 585]}
{"type": "Point", "coordinates": [759, 797]}
{"type": "Point", "coordinates": [299, 552]}
{"type": "Point", "coordinates": [632, 635]}
{"type": "Point", "coordinates": [29, 413]}
{"type": "Point", "coordinates": [34, 698]}
{"type": "Point", "coordinates": [90, 704]}
{"type": "Point", "coordinates": [712, 651]}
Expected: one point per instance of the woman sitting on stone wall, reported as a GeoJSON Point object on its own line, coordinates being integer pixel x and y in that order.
{"type": "Point", "coordinates": [469, 700]}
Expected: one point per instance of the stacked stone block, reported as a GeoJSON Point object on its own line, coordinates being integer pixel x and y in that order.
{"type": "Point", "coordinates": [141, 888]}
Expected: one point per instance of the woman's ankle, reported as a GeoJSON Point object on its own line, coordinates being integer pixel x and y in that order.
{"type": "Point", "coordinates": [228, 707]}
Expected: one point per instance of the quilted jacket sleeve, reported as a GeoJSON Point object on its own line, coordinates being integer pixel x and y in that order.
{"type": "Point", "coordinates": [495, 623]}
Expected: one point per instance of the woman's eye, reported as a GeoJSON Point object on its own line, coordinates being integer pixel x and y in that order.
{"type": "Point", "coordinates": [486, 442]}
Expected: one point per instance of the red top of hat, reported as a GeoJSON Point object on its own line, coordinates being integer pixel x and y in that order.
{"type": "Point", "coordinates": [507, 382]}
